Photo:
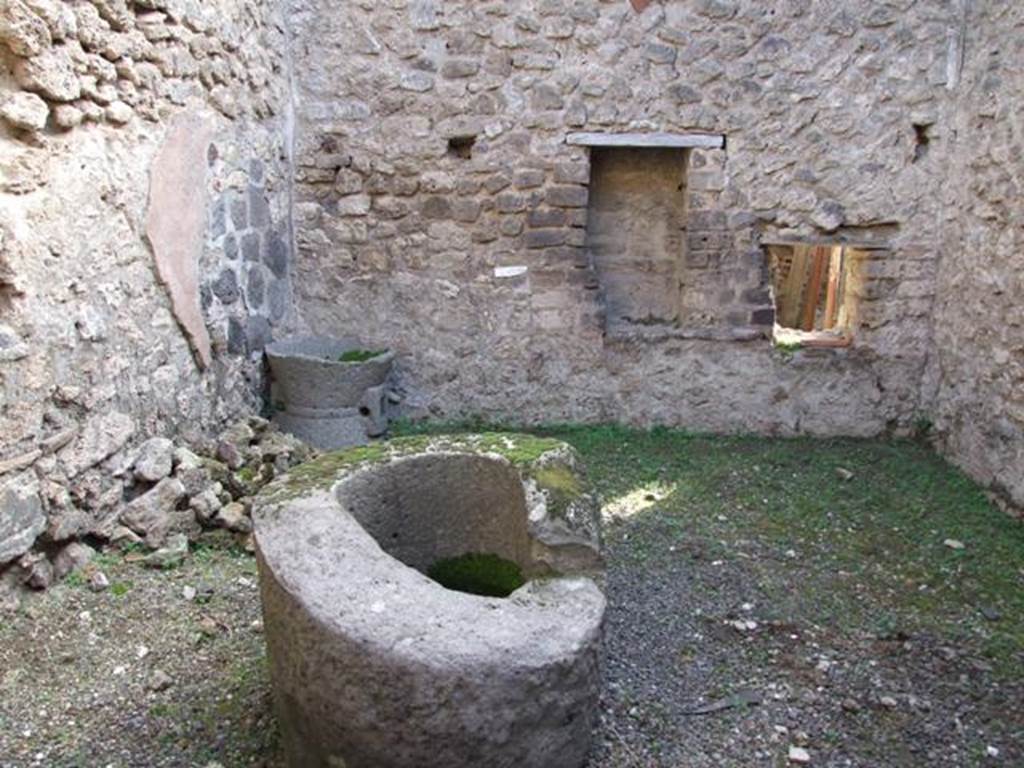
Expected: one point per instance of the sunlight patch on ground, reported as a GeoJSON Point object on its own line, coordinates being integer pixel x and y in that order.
{"type": "Point", "coordinates": [636, 500]}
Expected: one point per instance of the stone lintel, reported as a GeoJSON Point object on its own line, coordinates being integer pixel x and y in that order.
{"type": "Point", "coordinates": [682, 140]}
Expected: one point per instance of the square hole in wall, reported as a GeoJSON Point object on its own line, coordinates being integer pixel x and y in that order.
{"type": "Point", "coordinates": [815, 290]}
{"type": "Point", "coordinates": [636, 227]}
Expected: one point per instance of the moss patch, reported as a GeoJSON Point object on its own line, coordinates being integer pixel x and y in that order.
{"type": "Point", "coordinates": [869, 551]}
{"type": "Point", "coordinates": [360, 355]}
{"type": "Point", "coordinates": [521, 450]}
{"type": "Point", "coordinates": [478, 574]}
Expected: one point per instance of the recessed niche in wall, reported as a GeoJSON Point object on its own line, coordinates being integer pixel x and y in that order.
{"type": "Point", "coordinates": [815, 289]}
{"type": "Point", "coordinates": [461, 146]}
{"type": "Point", "coordinates": [636, 226]}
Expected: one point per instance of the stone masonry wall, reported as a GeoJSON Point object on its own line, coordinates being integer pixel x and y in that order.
{"type": "Point", "coordinates": [143, 145]}
{"type": "Point", "coordinates": [979, 320]}
{"type": "Point", "coordinates": [441, 210]}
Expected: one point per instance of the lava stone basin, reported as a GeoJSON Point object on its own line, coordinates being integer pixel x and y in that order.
{"type": "Point", "coordinates": [373, 664]}
{"type": "Point", "coordinates": [329, 401]}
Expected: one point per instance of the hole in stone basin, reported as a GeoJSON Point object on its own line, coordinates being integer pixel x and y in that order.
{"type": "Point", "coordinates": [461, 146]}
{"type": "Point", "coordinates": [423, 510]}
{"type": "Point", "coordinates": [478, 573]}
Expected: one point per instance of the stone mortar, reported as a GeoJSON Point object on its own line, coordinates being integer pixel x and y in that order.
{"type": "Point", "coordinates": [329, 403]}
{"type": "Point", "coordinates": [375, 665]}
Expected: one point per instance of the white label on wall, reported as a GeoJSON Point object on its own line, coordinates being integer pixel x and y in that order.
{"type": "Point", "coordinates": [510, 271]}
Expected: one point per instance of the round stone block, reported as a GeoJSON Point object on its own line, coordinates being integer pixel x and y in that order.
{"type": "Point", "coordinates": [375, 665]}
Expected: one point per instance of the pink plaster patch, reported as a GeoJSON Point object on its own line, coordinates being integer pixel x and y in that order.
{"type": "Point", "coordinates": [176, 222]}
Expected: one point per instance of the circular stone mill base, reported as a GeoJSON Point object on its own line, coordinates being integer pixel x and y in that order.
{"type": "Point", "coordinates": [373, 664]}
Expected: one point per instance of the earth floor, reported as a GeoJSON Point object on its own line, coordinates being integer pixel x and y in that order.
{"type": "Point", "coordinates": [855, 603]}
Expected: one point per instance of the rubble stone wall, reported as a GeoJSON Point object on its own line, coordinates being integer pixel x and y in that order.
{"type": "Point", "coordinates": [93, 354]}
{"type": "Point", "coordinates": [441, 209]}
{"type": "Point", "coordinates": [979, 318]}
{"type": "Point", "coordinates": [159, 159]}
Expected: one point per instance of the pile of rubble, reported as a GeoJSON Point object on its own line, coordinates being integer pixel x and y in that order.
{"type": "Point", "coordinates": [167, 496]}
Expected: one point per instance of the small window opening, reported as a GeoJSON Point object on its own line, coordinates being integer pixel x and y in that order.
{"type": "Point", "coordinates": [814, 290]}
{"type": "Point", "coordinates": [461, 146]}
{"type": "Point", "coordinates": [921, 140]}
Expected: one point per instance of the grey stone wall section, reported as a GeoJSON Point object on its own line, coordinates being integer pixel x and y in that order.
{"type": "Point", "coordinates": [92, 358]}
{"type": "Point", "coordinates": [979, 324]}
{"type": "Point", "coordinates": [441, 210]}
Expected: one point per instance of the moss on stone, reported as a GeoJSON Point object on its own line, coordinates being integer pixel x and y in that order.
{"type": "Point", "coordinates": [560, 483]}
{"type": "Point", "coordinates": [360, 355]}
{"type": "Point", "coordinates": [519, 449]}
{"type": "Point", "coordinates": [522, 451]}
{"type": "Point", "coordinates": [559, 479]}
{"type": "Point", "coordinates": [478, 573]}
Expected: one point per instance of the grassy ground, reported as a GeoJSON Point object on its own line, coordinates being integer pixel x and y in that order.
{"type": "Point", "coordinates": [875, 544]}
{"type": "Point", "coordinates": [763, 595]}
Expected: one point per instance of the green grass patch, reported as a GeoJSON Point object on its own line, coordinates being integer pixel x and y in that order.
{"type": "Point", "coordinates": [478, 574]}
{"type": "Point", "coordinates": [863, 555]}
{"type": "Point", "coordinates": [360, 355]}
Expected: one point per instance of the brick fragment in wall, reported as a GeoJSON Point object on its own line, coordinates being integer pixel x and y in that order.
{"type": "Point", "coordinates": [566, 196]}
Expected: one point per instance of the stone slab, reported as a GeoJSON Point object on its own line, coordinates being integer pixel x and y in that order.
{"type": "Point", "coordinates": [22, 517]}
{"type": "Point", "coordinates": [681, 140]}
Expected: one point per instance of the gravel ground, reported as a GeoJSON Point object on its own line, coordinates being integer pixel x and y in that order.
{"type": "Point", "coordinates": [761, 609]}
{"type": "Point", "coordinates": [696, 629]}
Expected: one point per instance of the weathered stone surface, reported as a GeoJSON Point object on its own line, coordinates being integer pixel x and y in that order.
{"type": "Point", "coordinates": [102, 437]}
{"type": "Point", "coordinates": [67, 116]}
{"type": "Point", "coordinates": [674, 76]}
{"type": "Point", "coordinates": [176, 222]}
{"type": "Point", "coordinates": [24, 33]}
{"type": "Point", "coordinates": [154, 460]}
{"type": "Point", "coordinates": [527, 664]}
{"type": "Point", "coordinates": [979, 333]}
{"type": "Point", "coordinates": [169, 556]}
{"type": "Point", "coordinates": [328, 403]}
{"type": "Point", "coordinates": [154, 513]}
{"type": "Point", "coordinates": [51, 74]}
{"type": "Point", "coordinates": [21, 516]}
{"type": "Point", "coordinates": [119, 113]}
{"type": "Point", "coordinates": [12, 347]}
{"type": "Point", "coordinates": [205, 504]}
{"type": "Point", "coordinates": [25, 111]}
{"type": "Point", "coordinates": [71, 558]}
{"type": "Point", "coordinates": [233, 517]}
